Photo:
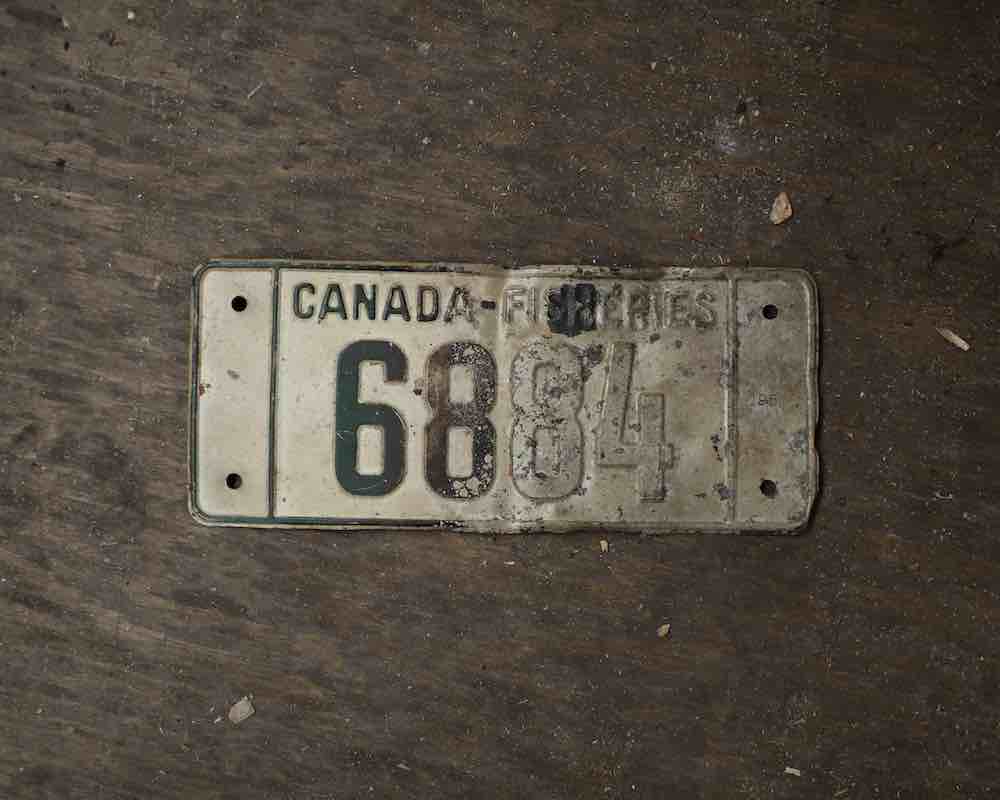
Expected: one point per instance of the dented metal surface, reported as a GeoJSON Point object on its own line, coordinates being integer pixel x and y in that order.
{"type": "Point", "coordinates": [355, 395]}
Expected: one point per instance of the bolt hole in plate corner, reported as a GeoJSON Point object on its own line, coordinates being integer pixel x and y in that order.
{"type": "Point", "coordinates": [395, 395]}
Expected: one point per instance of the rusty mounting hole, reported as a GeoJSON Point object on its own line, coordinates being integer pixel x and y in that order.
{"type": "Point", "coordinates": [239, 303]}
{"type": "Point", "coordinates": [770, 311]}
{"type": "Point", "coordinates": [768, 488]}
{"type": "Point", "coordinates": [233, 480]}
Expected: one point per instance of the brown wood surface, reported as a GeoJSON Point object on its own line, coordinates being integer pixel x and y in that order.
{"type": "Point", "coordinates": [862, 653]}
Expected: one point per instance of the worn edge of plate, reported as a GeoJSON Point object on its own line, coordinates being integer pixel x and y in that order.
{"type": "Point", "coordinates": [512, 527]}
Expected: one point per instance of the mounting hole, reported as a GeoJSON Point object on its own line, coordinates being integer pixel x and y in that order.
{"type": "Point", "coordinates": [770, 311]}
{"type": "Point", "coordinates": [768, 488]}
{"type": "Point", "coordinates": [233, 480]}
{"type": "Point", "coordinates": [239, 303]}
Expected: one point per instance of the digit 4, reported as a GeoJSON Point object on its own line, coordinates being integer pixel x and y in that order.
{"type": "Point", "coordinates": [640, 445]}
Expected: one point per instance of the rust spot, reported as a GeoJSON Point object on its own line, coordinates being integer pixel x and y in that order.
{"type": "Point", "coordinates": [724, 491]}
{"type": "Point", "coordinates": [592, 357]}
{"type": "Point", "coordinates": [572, 308]}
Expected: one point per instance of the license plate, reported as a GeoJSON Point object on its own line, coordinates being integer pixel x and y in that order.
{"type": "Point", "coordinates": [354, 396]}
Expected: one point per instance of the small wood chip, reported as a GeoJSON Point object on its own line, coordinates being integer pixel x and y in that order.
{"type": "Point", "coordinates": [663, 631]}
{"type": "Point", "coordinates": [792, 771]}
{"type": "Point", "coordinates": [241, 711]}
{"type": "Point", "coordinates": [781, 211]}
{"type": "Point", "coordinates": [605, 546]}
{"type": "Point", "coordinates": [954, 338]}
{"type": "Point", "coordinates": [254, 90]}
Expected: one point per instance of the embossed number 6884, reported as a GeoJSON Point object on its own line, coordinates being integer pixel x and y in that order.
{"type": "Point", "coordinates": [546, 441]}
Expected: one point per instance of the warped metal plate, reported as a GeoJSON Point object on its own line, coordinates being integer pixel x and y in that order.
{"type": "Point", "coordinates": [354, 395]}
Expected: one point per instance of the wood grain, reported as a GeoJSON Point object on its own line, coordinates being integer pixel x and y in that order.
{"type": "Point", "coordinates": [862, 653]}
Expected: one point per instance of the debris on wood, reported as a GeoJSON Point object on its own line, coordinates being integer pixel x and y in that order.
{"type": "Point", "coordinates": [781, 210]}
{"type": "Point", "coordinates": [950, 336]}
{"type": "Point", "coordinates": [130, 16]}
{"type": "Point", "coordinates": [793, 771]}
{"type": "Point", "coordinates": [65, 23]}
{"type": "Point", "coordinates": [663, 631]}
{"type": "Point", "coordinates": [605, 546]}
{"type": "Point", "coordinates": [241, 711]}
{"type": "Point", "coordinates": [254, 90]}
{"type": "Point", "coordinates": [423, 48]}
{"type": "Point", "coordinates": [652, 65]}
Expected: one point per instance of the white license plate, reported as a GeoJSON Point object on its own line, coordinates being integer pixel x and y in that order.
{"type": "Point", "coordinates": [357, 396]}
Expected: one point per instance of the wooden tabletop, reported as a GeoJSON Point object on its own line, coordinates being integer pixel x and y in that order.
{"type": "Point", "coordinates": [858, 660]}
